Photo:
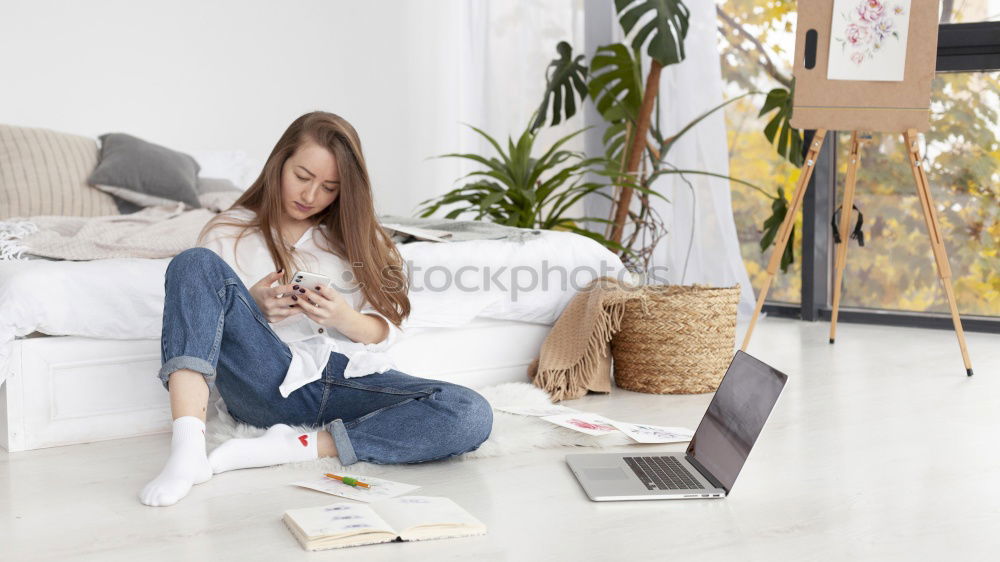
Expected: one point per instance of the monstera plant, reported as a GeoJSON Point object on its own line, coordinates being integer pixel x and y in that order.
{"type": "Point", "coordinates": [617, 87]}
{"type": "Point", "coordinates": [626, 100]}
{"type": "Point", "coordinates": [636, 150]}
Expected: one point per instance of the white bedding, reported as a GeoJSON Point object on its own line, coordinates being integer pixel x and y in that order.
{"type": "Point", "coordinates": [123, 298]}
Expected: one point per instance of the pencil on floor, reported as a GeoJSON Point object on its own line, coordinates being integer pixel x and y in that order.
{"type": "Point", "coordinates": [348, 480]}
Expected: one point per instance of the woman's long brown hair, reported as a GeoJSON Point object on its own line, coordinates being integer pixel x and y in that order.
{"type": "Point", "coordinates": [352, 231]}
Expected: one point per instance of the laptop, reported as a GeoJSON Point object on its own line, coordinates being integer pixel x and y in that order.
{"type": "Point", "coordinates": [709, 467]}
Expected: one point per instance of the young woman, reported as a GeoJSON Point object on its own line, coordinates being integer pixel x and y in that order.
{"type": "Point", "coordinates": [282, 353]}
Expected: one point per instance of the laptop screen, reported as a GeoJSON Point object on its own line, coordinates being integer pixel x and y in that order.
{"type": "Point", "coordinates": [735, 417]}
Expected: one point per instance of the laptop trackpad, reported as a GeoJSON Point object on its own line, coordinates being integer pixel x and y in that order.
{"type": "Point", "coordinates": [610, 473]}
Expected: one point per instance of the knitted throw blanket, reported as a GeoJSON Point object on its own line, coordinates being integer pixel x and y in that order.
{"type": "Point", "coordinates": [165, 231]}
{"type": "Point", "coordinates": [154, 232]}
{"type": "Point", "coordinates": [575, 357]}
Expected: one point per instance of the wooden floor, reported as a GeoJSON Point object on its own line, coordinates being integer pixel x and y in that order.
{"type": "Point", "coordinates": [880, 449]}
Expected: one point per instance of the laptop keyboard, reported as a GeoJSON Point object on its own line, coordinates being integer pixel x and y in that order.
{"type": "Point", "coordinates": [663, 473]}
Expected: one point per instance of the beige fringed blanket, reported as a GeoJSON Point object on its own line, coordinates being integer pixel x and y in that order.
{"type": "Point", "coordinates": [154, 232]}
{"type": "Point", "coordinates": [575, 356]}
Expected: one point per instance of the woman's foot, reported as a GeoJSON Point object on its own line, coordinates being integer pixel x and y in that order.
{"type": "Point", "coordinates": [279, 445]}
{"type": "Point", "coordinates": [187, 465]}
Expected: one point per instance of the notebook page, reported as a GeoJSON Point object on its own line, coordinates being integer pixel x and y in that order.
{"type": "Point", "coordinates": [408, 512]}
{"type": "Point", "coordinates": [341, 519]}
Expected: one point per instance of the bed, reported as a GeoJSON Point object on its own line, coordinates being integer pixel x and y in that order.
{"type": "Point", "coordinates": [79, 340]}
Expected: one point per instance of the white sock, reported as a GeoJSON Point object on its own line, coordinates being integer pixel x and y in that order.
{"type": "Point", "coordinates": [281, 444]}
{"type": "Point", "coordinates": [187, 465]}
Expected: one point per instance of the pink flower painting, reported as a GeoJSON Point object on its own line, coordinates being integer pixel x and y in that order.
{"type": "Point", "coordinates": [870, 11]}
{"type": "Point", "coordinates": [858, 35]}
{"type": "Point", "coordinates": [592, 426]}
{"type": "Point", "coordinates": [869, 25]}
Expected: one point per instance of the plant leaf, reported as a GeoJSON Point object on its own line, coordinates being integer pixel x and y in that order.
{"type": "Point", "coordinates": [564, 78]}
{"type": "Point", "coordinates": [616, 83]}
{"type": "Point", "coordinates": [665, 25]}
{"type": "Point", "coordinates": [786, 139]}
{"type": "Point", "coordinates": [779, 209]}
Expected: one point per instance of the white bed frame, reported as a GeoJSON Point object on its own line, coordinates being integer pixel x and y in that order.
{"type": "Point", "coordinates": [64, 390]}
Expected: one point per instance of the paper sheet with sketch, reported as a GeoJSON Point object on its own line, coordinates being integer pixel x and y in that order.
{"type": "Point", "coordinates": [645, 433]}
{"type": "Point", "coordinates": [868, 40]}
{"type": "Point", "coordinates": [584, 422]}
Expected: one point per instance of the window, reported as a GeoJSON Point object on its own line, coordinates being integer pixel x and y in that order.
{"type": "Point", "coordinates": [756, 45]}
{"type": "Point", "coordinates": [895, 273]}
{"type": "Point", "coordinates": [968, 11]}
{"type": "Point", "coordinates": [895, 270]}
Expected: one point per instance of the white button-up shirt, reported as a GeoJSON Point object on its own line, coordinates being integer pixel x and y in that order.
{"type": "Point", "coordinates": [310, 343]}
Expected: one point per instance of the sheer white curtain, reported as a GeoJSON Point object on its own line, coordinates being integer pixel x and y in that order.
{"type": "Point", "coordinates": [702, 246]}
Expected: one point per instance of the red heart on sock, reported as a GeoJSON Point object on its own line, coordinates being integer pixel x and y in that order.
{"type": "Point", "coordinates": [304, 439]}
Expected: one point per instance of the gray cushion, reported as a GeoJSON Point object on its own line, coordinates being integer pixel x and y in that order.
{"type": "Point", "coordinates": [127, 207]}
{"type": "Point", "coordinates": [144, 173]}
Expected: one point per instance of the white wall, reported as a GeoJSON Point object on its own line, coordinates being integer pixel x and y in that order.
{"type": "Point", "coordinates": [222, 75]}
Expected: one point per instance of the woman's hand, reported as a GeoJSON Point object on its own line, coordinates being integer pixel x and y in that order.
{"type": "Point", "coordinates": [323, 305]}
{"type": "Point", "coordinates": [273, 308]}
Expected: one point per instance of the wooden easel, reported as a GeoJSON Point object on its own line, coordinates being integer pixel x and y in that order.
{"type": "Point", "coordinates": [822, 103]}
{"type": "Point", "coordinates": [930, 219]}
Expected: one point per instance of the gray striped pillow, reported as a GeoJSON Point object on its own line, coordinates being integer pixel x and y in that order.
{"type": "Point", "coordinates": [45, 172]}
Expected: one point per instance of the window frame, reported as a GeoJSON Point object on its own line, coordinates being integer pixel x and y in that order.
{"type": "Point", "coordinates": [962, 47]}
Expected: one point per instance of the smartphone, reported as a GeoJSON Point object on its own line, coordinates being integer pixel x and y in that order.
{"type": "Point", "coordinates": [311, 280]}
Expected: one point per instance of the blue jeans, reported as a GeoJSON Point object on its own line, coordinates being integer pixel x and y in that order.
{"type": "Point", "coordinates": [213, 326]}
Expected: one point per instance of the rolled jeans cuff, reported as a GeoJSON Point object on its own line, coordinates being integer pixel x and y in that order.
{"type": "Point", "coordinates": [187, 362]}
{"type": "Point", "coordinates": [342, 442]}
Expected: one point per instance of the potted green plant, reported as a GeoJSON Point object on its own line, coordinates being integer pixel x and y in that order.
{"type": "Point", "coordinates": [517, 188]}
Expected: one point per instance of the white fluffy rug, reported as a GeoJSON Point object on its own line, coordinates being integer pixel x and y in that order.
{"type": "Point", "coordinates": [511, 433]}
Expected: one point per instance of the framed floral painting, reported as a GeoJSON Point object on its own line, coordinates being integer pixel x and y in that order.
{"type": "Point", "coordinates": [868, 40]}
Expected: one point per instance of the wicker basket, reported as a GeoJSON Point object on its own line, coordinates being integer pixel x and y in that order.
{"type": "Point", "coordinates": [676, 339]}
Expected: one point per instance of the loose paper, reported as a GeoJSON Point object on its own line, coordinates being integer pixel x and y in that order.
{"type": "Point", "coordinates": [868, 40]}
{"type": "Point", "coordinates": [594, 424]}
{"type": "Point", "coordinates": [654, 433]}
{"type": "Point", "coordinates": [584, 422]}
{"type": "Point", "coordinates": [380, 489]}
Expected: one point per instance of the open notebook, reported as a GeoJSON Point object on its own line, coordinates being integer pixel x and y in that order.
{"type": "Point", "coordinates": [407, 518]}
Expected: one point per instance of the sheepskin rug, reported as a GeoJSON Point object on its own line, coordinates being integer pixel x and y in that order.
{"type": "Point", "coordinates": [511, 433]}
